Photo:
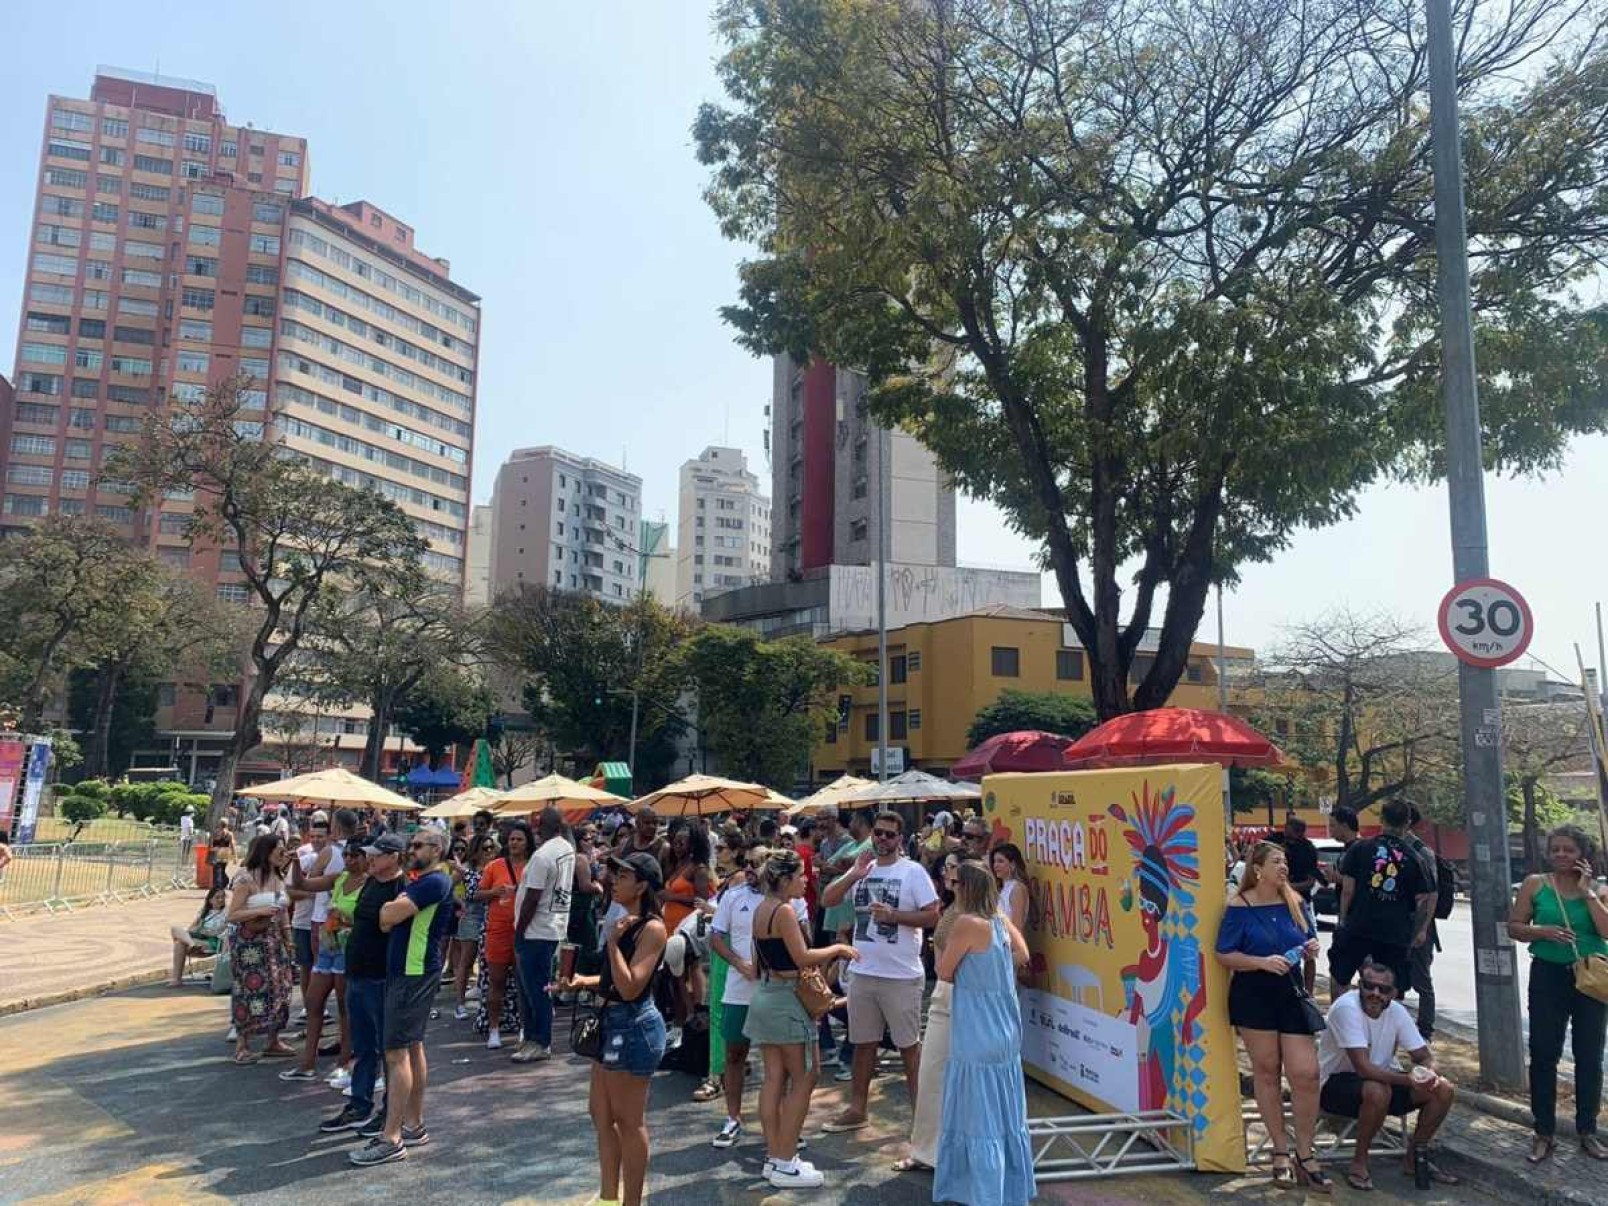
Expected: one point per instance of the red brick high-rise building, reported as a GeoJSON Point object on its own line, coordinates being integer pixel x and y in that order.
{"type": "Point", "coordinates": [171, 249]}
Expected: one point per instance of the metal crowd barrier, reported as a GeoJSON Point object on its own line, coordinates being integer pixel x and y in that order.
{"type": "Point", "coordinates": [61, 876]}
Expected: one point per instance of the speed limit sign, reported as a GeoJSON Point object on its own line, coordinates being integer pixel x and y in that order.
{"type": "Point", "coordinates": [1486, 622]}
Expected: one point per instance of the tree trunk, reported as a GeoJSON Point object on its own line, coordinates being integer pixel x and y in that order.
{"type": "Point", "coordinates": [1532, 830]}
{"type": "Point", "coordinates": [247, 736]}
{"type": "Point", "coordinates": [97, 751]}
{"type": "Point", "coordinates": [381, 706]}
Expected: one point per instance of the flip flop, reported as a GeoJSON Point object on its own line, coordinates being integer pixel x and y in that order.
{"type": "Point", "coordinates": [1362, 1184]}
{"type": "Point", "coordinates": [281, 1053]}
{"type": "Point", "coordinates": [911, 1164]}
{"type": "Point", "coordinates": [836, 1127]}
{"type": "Point", "coordinates": [249, 1057]}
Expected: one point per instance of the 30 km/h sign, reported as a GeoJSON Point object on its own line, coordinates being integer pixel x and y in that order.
{"type": "Point", "coordinates": [1486, 622]}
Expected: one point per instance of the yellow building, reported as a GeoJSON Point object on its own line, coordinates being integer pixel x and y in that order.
{"type": "Point", "coordinates": [942, 672]}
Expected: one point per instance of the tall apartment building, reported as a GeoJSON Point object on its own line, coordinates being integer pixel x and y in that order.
{"type": "Point", "coordinates": [170, 250]}
{"type": "Point", "coordinates": [724, 527]}
{"type": "Point", "coordinates": [568, 521]}
{"type": "Point", "coordinates": [826, 476]}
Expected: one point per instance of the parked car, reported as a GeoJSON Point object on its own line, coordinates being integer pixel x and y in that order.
{"type": "Point", "coordinates": [1326, 900]}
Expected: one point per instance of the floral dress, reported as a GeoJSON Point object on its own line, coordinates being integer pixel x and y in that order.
{"type": "Point", "coordinates": [509, 1022]}
{"type": "Point", "coordinates": [264, 976]}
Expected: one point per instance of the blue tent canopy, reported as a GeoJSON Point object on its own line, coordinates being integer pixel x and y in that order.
{"type": "Point", "coordinates": [423, 776]}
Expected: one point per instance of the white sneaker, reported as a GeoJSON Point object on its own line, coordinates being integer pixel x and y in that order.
{"type": "Point", "coordinates": [341, 1081]}
{"type": "Point", "coordinates": [461, 1014]}
{"type": "Point", "coordinates": [232, 1036]}
{"type": "Point", "coordinates": [494, 1041]}
{"type": "Point", "coordinates": [803, 1175]}
{"type": "Point", "coordinates": [672, 1038]}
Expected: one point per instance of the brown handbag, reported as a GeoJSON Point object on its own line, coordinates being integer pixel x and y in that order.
{"type": "Point", "coordinates": [811, 987]}
{"type": "Point", "coordinates": [1590, 971]}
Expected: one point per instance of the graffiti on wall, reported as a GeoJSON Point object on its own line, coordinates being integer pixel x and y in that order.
{"type": "Point", "coordinates": [921, 593]}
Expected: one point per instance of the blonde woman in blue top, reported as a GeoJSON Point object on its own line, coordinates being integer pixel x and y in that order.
{"type": "Point", "coordinates": [1563, 915]}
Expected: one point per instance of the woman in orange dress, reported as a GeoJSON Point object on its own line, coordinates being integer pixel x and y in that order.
{"type": "Point", "coordinates": [689, 885]}
{"type": "Point", "coordinates": [499, 880]}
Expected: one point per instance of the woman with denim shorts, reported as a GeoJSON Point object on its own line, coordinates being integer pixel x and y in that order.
{"type": "Point", "coordinates": [633, 1030]}
{"type": "Point", "coordinates": [329, 970]}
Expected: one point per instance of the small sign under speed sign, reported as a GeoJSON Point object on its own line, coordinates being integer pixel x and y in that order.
{"type": "Point", "coordinates": [1486, 622]}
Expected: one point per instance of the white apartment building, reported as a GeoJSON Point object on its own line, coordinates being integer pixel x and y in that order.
{"type": "Point", "coordinates": [570, 522]}
{"type": "Point", "coordinates": [724, 527]}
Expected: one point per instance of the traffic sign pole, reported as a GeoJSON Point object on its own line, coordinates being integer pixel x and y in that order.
{"type": "Point", "coordinates": [1496, 986]}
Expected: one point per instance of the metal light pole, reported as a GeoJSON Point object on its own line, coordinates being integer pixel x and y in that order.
{"type": "Point", "coordinates": [883, 460]}
{"type": "Point", "coordinates": [1496, 987]}
{"type": "Point", "coordinates": [1222, 657]}
{"type": "Point", "coordinates": [636, 680]}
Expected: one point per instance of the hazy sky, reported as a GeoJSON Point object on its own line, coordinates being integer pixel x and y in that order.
{"type": "Point", "coordinates": [543, 148]}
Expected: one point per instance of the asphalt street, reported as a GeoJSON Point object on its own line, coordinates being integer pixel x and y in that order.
{"type": "Point", "coordinates": [132, 1098]}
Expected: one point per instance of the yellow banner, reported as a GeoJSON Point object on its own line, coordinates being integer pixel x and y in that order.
{"type": "Point", "coordinates": [1126, 1009]}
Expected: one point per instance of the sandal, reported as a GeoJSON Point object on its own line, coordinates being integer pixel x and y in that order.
{"type": "Point", "coordinates": [708, 1091]}
{"type": "Point", "coordinates": [281, 1053]}
{"type": "Point", "coordinates": [1541, 1150]}
{"type": "Point", "coordinates": [246, 1057]}
{"type": "Point", "coordinates": [1283, 1174]}
{"type": "Point", "coordinates": [844, 1123]}
{"type": "Point", "coordinates": [1593, 1147]}
{"type": "Point", "coordinates": [1361, 1182]}
{"type": "Point", "coordinates": [1310, 1173]}
{"type": "Point", "coordinates": [911, 1164]}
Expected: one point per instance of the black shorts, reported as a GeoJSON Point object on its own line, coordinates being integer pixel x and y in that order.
{"type": "Point", "coordinates": [1342, 1094]}
{"type": "Point", "coordinates": [303, 942]}
{"type": "Point", "coordinates": [408, 1000]}
{"type": "Point", "coordinates": [1263, 1000]}
{"type": "Point", "coordinates": [1347, 952]}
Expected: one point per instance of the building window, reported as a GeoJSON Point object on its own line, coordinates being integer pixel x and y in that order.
{"type": "Point", "coordinates": [831, 732]}
{"type": "Point", "coordinates": [1140, 667]}
{"type": "Point", "coordinates": [149, 163]}
{"type": "Point", "coordinates": [289, 159]}
{"type": "Point", "coordinates": [265, 244]}
{"type": "Point", "coordinates": [897, 730]}
{"type": "Point", "coordinates": [871, 726]}
{"type": "Point", "coordinates": [110, 156]}
{"type": "Point", "coordinates": [209, 236]}
{"type": "Point", "coordinates": [114, 127]}
{"type": "Point", "coordinates": [1006, 661]}
{"type": "Point", "coordinates": [1069, 665]}
{"type": "Point", "coordinates": [897, 667]}
{"type": "Point", "coordinates": [261, 307]}
{"type": "Point", "coordinates": [195, 328]}
{"type": "Point", "coordinates": [233, 592]}
{"type": "Point", "coordinates": [198, 299]}
{"type": "Point", "coordinates": [915, 718]}
{"type": "Point", "coordinates": [857, 530]}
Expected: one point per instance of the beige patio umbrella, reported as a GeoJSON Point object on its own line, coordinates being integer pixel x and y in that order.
{"type": "Point", "coordinates": [704, 795]}
{"type": "Point", "coordinates": [913, 787]}
{"type": "Point", "coordinates": [828, 797]}
{"type": "Point", "coordinates": [464, 804]}
{"type": "Point", "coordinates": [333, 786]}
{"type": "Point", "coordinates": [572, 797]}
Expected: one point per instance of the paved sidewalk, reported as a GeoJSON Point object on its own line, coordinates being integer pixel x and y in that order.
{"type": "Point", "coordinates": [54, 958]}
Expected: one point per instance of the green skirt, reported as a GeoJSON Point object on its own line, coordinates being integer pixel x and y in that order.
{"type": "Point", "coordinates": [777, 1017]}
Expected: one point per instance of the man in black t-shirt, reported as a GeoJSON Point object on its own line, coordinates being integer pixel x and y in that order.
{"type": "Point", "coordinates": [366, 949]}
{"type": "Point", "coordinates": [1386, 904]}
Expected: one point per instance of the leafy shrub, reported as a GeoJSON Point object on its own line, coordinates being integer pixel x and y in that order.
{"type": "Point", "coordinates": [95, 789]}
{"type": "Point", "coordinates": [77, 808]}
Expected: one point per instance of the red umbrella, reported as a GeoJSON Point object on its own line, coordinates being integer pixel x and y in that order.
{"type": "Point", "coordinates": [1172, 735]}
{"type": "Point", "coordinates": [1023, 750]}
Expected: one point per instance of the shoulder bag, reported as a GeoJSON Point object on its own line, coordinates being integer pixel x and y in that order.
{"type": "Point", "coordinates": [1590, 971]}
{"type": "Point", "coordinates": [1309, 1008]}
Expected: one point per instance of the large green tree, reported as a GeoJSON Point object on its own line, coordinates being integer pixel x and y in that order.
{"type": "Point", "coordinates": [61, 583]}
{"type": "Point", "coordinates": [292, 533]}
{"type": "Point", "coordinates": [583, 663]}
{"type": "Point", "coordinates": [762, 705]}
{"type": "Point", "coordinates": [447, 705]}
{"type": "Point", "coordinates": [1048, 711]}
{"type": "Point", "coordinates": [1159, 279]}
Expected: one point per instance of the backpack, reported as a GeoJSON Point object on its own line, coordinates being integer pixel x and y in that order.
{"type": "Point", "coordinates": [1445, 888]}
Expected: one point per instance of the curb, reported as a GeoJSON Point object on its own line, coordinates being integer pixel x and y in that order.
{"type": "Point", "coordinates": [27, 1004]}
{"type": "Point", "coordinates": [1505, 1181]}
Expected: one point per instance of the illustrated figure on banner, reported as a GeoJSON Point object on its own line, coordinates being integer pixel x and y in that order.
{"type": "Point", "coordinates": [1166, 989]}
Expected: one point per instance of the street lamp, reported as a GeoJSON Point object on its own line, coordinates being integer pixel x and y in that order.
{"type": "Point", "coordinates": [636, 681]}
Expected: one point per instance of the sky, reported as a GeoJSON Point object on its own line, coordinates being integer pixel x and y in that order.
{"type": "Point", "coordinates": [544, 149]}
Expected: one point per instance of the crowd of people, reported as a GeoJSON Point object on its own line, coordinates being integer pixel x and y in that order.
{"type": "Point", "coordinates": [683, 946]}
{"type": "Point", "coordinates": [826, 945]}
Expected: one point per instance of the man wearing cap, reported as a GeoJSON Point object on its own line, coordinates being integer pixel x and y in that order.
{"type": "Point", "coordinates": [416, 922]}
{"type": "Point", "coordinates": [645, 838]}
{"type": "Point", "coordinates": [366, 949]}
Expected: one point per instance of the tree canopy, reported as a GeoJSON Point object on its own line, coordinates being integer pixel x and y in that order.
{"type": "Point", "coordinates": [1050, 711]}
{"type": "Point", "coordinates": [762, 705]}
{"type": "Point", "coordinates": [1159, 279]}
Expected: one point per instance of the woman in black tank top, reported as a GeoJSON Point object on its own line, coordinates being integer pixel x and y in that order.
{"type": "Point", "coordinates": [779, 1023]}
{"type": "Point", "coordinates": [632, 1028]}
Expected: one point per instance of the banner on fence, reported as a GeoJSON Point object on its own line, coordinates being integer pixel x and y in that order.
{"type": "Point", "coordinates": [33, 787]}
{"type": "Point", "coordinates": [13, 754]}
{"type": "Point", "coordinates": [1125, 1008]}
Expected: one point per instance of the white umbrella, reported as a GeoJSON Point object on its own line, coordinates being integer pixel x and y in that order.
{"type": "Point", "coordinates": [703, 795]}
{"type": "Point", "coordinates": [830, 796]}
{"type": "Point", "coordinates": [557, 791]}
{"type": "Point", "coordinates": [464, 804]}
{"type": "Point", "coordinates": [913, 787]}
{"type": "Point", "coordinates": [333, 786]}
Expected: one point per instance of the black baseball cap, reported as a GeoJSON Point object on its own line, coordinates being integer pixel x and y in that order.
{"type": "Point", "coordinates": [644, 866]}
{"type": "Point", "coordinates": [386, 843]}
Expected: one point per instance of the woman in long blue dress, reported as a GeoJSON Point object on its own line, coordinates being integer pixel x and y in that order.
{"type": "Point", "coordinates": [984, 1157]}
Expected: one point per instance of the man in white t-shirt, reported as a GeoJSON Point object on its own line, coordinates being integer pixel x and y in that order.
{"type": "Point", "coordinates": [1360, 1078]}
{"type": "Point", "coordinates": [315, 836]}
{"type": "Point", "coordinates": [187, 830]}
{"type": "Point", "coordinates": [731, 936]}
{"type": "Point", "coordinates": [541, 919]}
{"type": "Point", "coordinates": [894, 902]}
